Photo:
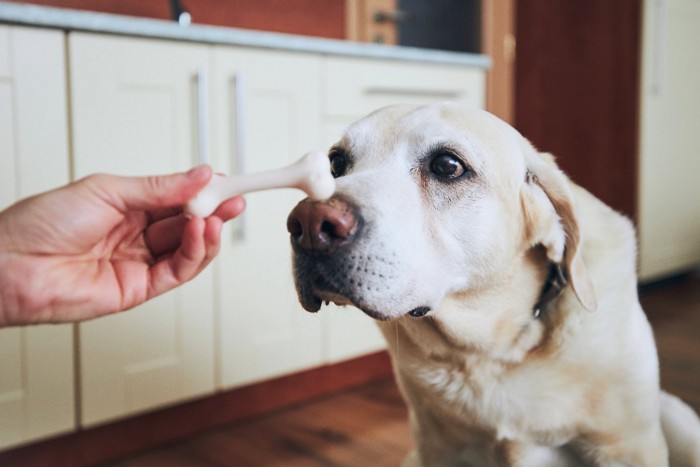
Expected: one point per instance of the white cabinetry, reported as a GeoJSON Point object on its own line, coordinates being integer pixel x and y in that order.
{"type": "Point", "coordinates": [147, 106]}
{"type": "Point", "coordinates": [266, 116]}
{"type": "Point", "coordinates": [353, 88]}
{"type": "Point", "coordinates": [36, 363]}
{"type": "Point", "coordinates": [135, 111]}
{"type": "Point", "coordinates": [669, 193]}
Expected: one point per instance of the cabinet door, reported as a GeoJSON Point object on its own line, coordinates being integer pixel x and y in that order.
{"type": "Point", "coordinates": [135, 104]}
{"type": "Point", "coordinates": [36, 363]}
{"type": "Point", "coordinates": [669, 197]}
{"type": "Point", "coordinates": [267, 116]}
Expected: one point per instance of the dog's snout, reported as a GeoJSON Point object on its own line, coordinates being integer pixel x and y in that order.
{"type": "Point", "coordinates": [322, 227]}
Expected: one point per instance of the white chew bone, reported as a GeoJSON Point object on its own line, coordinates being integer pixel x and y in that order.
{"type": "Point", "coordinates": [311, 174]}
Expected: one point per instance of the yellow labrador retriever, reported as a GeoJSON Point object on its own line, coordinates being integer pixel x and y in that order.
{"type": "Point", "coordinates": [506, 293]}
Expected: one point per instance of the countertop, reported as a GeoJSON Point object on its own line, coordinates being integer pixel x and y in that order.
{"type": "Point", "coordinates": [74, 20]}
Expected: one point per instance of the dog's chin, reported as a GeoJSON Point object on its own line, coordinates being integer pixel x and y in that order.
{"type": "Point", "coordinates": [314, 299]}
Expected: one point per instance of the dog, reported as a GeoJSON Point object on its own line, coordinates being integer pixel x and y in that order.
{"type": "Point", "coordinates": [506, 293]}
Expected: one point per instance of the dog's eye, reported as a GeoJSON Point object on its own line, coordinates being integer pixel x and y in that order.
{"type": "Point", "coordinates": [339, 163]}
{"type": "Point", "coordinates": [447, 166]}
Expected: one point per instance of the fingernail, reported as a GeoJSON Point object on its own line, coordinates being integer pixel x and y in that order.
{"type": "Point", "coordinates": [196, 172]}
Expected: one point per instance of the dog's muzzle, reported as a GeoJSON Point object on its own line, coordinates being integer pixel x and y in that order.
{"type": "Point", "coordinates": [326, 266]}
{"type": "Point", "coordinates": [321, 233]}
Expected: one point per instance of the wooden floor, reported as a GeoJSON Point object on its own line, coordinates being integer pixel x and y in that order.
{"type": "Point", "coordinates": [674, 312]}
{"type": "Point", "coordinates": [368, 426]}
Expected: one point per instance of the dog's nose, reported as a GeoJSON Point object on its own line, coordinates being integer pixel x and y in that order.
{"type": "Point", "coordinates": [322, 226]}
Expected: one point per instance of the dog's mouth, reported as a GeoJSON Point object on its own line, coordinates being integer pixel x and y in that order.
{"type": "Point", "coordinates": [322, 287]}
{"type": "Point", "coordinates": [322, 290]}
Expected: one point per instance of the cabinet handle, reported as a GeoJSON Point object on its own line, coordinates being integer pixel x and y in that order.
{"type": "Point", "coordinates": [202, 115]}
{"type": "Point", "coordinates": [658, 73]}
{"type": "Point", "coordinates": [433, 94]}
{"type": "Point", "coordinates": [238, 85]}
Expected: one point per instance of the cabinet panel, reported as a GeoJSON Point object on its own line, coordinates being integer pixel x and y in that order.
{"type": "Point", "coordinates": [669, 197]}
{"type": "Point", "coordinates": [36, 368]}
{"type": "Point", "coordinates": [134, 104]}
{"type": "Point", "coordinates": [355, 87]}
{"type": "Point", "coordinates": [135, 113]}
{"type": "Point", "coordinates": [264, 332]}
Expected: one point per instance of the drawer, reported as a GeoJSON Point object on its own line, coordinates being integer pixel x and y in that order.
{"type": "Point", "coordinates": [355, 87]}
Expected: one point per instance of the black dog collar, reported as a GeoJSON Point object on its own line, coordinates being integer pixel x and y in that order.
{"type": "Point", "coordinates": [552, 288]}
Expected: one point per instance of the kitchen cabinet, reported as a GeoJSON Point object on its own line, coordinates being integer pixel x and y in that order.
{"type": "Point", "coordinates": [137, 109]}
{"type": "Point", "coordinates": [354, 87]}
{"type": "Point", "coordinates": [142, 106]}
{"type": "Point", "coordinates": [266, 116]}
{"type": "Point", "coordinates": [669, 194]}
{"type": "Point", "coordinates": [36, 363]}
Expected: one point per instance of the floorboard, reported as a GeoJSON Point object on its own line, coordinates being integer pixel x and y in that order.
{"type": "Point", "coordinates": [368, 426]}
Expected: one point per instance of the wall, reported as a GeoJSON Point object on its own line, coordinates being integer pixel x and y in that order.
{"type": "Point", "coordinates": [322, 18]}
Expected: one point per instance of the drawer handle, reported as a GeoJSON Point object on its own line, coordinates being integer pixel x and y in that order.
{"type": "Point", "coordinates": [202, 115]}
{"type": "Point", "coordinates": [443, 94]}
{"type": "Point", "coordinates": [237, 85]}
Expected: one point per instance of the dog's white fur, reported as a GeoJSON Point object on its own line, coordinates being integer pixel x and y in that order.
{"type": "Point", "coordinates": [486, 382]}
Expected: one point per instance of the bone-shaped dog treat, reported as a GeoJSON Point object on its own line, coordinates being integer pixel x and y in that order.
{"type": "Point", "coordinates": [311, 174]}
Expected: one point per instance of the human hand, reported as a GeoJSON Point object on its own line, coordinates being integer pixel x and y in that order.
{"type": "Point", "coordinates": [103, 244]}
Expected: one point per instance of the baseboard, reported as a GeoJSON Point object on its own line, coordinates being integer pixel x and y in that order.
{"type": "Point", "coordinates": [123, 438]}
{"type": "Point", "coordinates": [651, 285]}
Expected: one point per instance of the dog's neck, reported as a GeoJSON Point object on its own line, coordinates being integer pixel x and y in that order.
{"type": "Point", "coordinates": [500, 320]}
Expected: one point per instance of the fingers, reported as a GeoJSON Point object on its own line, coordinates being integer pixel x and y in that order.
{"type": "Point", "coordinates": [185, 246]}
{"type": "Point", "coordinates": [150, 193]}
{"type": "Point", "coordinates": [200, 244]}
{"type": "Point", "coordinates": [165, 235]}
{"type": "Point", "coordinates": [230, 208]}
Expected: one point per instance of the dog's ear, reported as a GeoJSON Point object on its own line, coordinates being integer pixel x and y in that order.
{"type": "Point", "coordinates": [550, 221]}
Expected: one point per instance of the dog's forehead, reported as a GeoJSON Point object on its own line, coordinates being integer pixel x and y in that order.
{"type": "Point", "coordinates": [396, 127]}
{"type": "Point", "coordinates": [377, 132]}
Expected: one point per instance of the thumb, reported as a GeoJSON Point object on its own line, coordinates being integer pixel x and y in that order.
{"type": "Point", "coordinates": [156, 191]}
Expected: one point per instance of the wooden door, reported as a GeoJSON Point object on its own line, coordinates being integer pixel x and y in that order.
{"type": "Point", "coordinates": [36, 363]}
{"type": "Point", "coordinates": [577, 90]}
{"type": "Point", "coordinates": [362, 24]}
{"type": "Point", "coordinates": [135, 110]}
{"type": "Point", "coordinates": [267, 116]}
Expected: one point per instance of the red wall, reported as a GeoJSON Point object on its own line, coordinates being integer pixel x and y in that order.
{"type": "Point", "coordinates": [322, 18]}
